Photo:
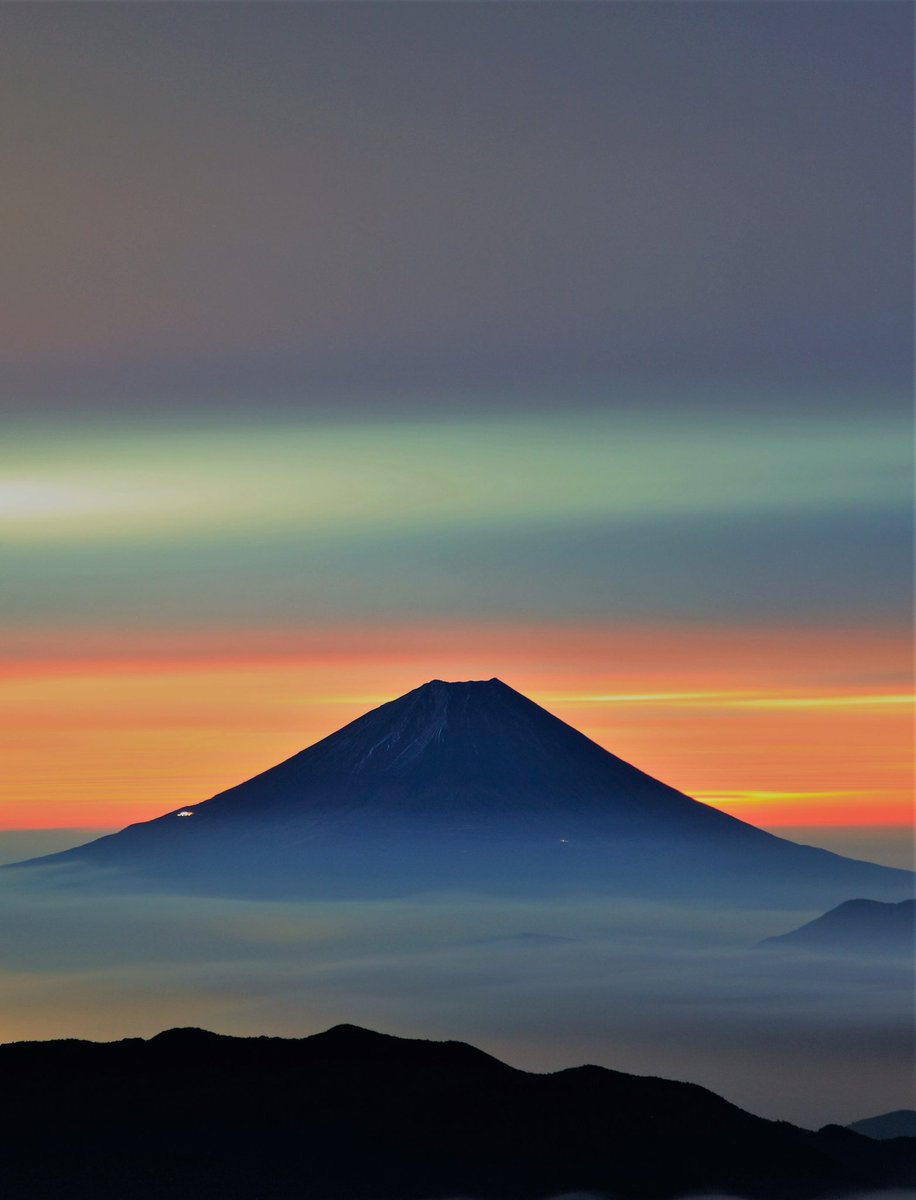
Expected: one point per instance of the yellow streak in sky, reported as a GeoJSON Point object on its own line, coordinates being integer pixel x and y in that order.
{"type": "Point", "coordinates": [736, 700]}
{"type": "Point", "coordinates": [754, 797]}
{"type": "Point", "coordinates": [784, 702]}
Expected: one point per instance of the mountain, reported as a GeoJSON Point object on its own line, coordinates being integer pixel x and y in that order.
{"type": "Point", "coordinates": [465, 785]}
{"type": "Point", "coordinates": [900, 1123]}
{"type": "Point", "coordinates": [857, 926]}
{"type": "Point", "coordinates": [353, 1115]}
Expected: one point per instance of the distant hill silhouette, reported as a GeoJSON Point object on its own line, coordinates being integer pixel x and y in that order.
{"type": "Point", "coordinates": [354, 1115]}
{"type": "Point", "coordinates": [858, 926]}
{"type": "Point", "coordinates": [900, 1123]}
{"type": "Point", "coordinates": [466, 785]}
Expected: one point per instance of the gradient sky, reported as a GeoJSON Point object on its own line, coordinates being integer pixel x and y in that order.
{"type": "Point", "coordinates": [347, 346]}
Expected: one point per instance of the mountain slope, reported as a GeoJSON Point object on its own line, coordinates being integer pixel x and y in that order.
{"type": "Point", "coordinates": [349, 1114]}
{"type": "Point", "coordinates": [900, 1123]}
{"type": "Point", "coordinates": [466, 785]}
{"type": "Point", "coordinates": [858, 926]}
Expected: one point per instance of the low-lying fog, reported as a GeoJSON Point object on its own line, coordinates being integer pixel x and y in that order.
{"type": "Point", "coordinates": [650, 989]}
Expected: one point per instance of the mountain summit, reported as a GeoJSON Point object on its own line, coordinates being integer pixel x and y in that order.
{"type": "Point", "coordinates": [465, 785]}
{"type": "Point", "coordinates": [474, 752]}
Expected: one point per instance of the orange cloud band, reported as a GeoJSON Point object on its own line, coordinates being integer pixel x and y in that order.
{"type": "Point", "coordinates": [779, 727]}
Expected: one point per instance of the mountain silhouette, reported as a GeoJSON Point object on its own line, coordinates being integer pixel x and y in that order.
{"type": "Point", "coordinates": [858, 926]}
{"type": "Point", "coordinates": [899, 1123]}
{"type": "Point", "coordinates": [353, 1115]}
{"type": "Point", "coordinates": [465, 785]}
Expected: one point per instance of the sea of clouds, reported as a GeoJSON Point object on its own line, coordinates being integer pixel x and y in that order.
{"type": "Point", "coordinates": [675, 991]}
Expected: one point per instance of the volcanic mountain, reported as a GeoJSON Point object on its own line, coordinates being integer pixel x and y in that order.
{"type": "Point", "coordinates": [465, 785]}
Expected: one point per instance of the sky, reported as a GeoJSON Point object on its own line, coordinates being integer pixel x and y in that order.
{"type": "Point", "coordinates": [349, 346]}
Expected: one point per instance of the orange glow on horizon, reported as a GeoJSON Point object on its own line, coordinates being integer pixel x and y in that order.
{"type": "Point", "coordinates": [778, 727]}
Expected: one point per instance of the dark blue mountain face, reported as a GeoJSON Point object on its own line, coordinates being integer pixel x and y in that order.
{"type": "Point", "coordinates": [857, 926]}
{"type": "Point", "coordinates": [897, 1124]}
{"type": "Point", "coordinates": [450, 755]}
{"type": "Point", "coordinates": [467, 785]}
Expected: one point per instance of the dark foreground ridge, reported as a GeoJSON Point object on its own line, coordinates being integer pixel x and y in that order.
{"type": "Point", "coordinates": [354, 1115]}
{"type": "Point", "coordinates": [465, 786]}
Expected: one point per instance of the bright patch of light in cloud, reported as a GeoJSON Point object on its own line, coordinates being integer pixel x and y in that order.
{"type": "Point", "coordinates": [420, 475]}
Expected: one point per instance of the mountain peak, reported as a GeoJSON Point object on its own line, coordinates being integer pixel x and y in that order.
{"type": "Point", "coordinates": [457, 728]}
{"type": "Point", "coordinates": [865, 926]}
{"type": "Point", "coordinates": [453, 688]}
{"type": "Point", "coordinates": [459, 683]}
{"type": "Point", "coordinates": [465, 783]}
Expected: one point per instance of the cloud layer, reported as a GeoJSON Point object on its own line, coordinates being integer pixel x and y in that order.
{"type": "Point", "coordinates": [638, 987]}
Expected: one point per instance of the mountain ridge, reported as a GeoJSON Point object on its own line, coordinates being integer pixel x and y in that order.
{"type": "Point", "coordinates": [350, 1113]}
